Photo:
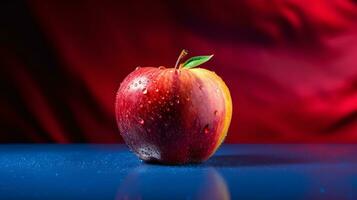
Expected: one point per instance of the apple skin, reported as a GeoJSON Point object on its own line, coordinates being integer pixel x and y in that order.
{"type": "Point", "coordinates": [173, 116]}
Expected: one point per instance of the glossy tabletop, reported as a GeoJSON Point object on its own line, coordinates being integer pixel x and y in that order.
{"type": "Point", "coordinates": [234, 172]}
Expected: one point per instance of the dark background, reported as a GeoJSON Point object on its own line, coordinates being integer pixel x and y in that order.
{"type": "Point", "coordinates": [291, 65]}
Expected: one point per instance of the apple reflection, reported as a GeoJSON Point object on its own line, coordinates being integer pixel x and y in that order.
{"type": "Point", "coordinates": [159, 182]}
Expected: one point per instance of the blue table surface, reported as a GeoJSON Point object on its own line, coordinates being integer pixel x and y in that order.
{"type": "Point", "coordinates": [234, 172]}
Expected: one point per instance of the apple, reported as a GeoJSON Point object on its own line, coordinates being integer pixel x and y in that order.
{"type": "Point", "coordinates": [174, 115]}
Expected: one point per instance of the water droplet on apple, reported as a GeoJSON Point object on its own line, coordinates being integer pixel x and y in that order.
{"type": "Point", "coordinates": [206, 129]}
{"type": "Point", "coordinates": [138, 67]}
{"type": "Point", "coordinates": [160, 116]}
{"type": "Point", "coordinates": [167, 109]}
{"type": "Point", "coordinates": [126, 115]}
{"type": "Point", "coordinates": [188, 99]}
{"type": "Point", "coordinates": [149, 102]}
{"type": "Point", "coordinates": [162, 67]}
{"type": "Point", "coordinates": [141, 105]}
{"type": "Point", "coordinates": [159, 102]}
{"type": "Point", "coordinates": [162, 98]}
{"type": "Point", "coordinates": [145, 91]}
{"type": "Point", "coordinates": [178, 101]}
{"type": "Point", "coordinates": [171, 103]}
{"type": "Point", "coordinates": [215, 112]}
{"type": "Point", "coordinates": [157, 90]}
{"type": "Point", "coordinates": [141, 121]}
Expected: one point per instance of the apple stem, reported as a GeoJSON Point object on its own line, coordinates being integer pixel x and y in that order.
{"type": "Point", "coordinates": [182, 54]}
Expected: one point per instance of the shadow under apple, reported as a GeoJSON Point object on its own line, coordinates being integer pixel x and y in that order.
{"type": "Point", "coordinates": [162, 182]}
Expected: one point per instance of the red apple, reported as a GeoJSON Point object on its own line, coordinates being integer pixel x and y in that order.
{"type": "Point", "coordinates": [174, 115]}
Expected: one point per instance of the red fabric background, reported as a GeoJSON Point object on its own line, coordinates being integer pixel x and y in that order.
{"type": "Point", "coordinates": [291, 65]}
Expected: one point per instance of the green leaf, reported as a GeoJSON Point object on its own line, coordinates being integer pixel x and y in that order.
{"type": "Point", "coordinates": [195, 61]}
